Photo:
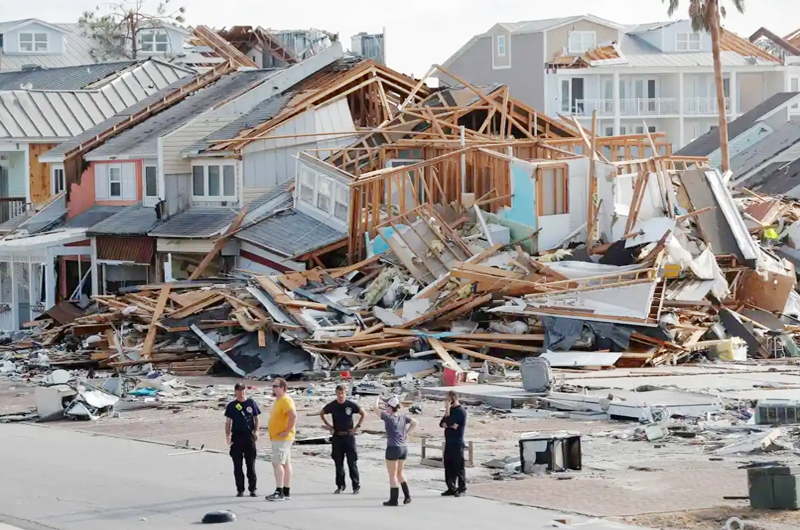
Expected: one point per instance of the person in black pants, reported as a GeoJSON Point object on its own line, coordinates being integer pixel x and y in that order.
{"type": "Point", "coordinates": [241, 433]}
{"type": "Point", "coordinates": [454, 423]}
{"type": "Point", "coordinates": [343, 437]}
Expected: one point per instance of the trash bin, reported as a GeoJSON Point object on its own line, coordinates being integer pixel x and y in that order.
{"type": "Point", "coordinates": [536, 374]}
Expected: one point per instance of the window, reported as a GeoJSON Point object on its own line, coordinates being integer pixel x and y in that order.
{"type": "Point", "coordinates": [58, 180]}
{"type": "Point", "coordinates": [688, 42]}
{"type": "Point", "coordinates": [214, 181]}
{"type": "Point", "coordinates": [115, 182]}
{"type": "Point", "coordinates": [582, 41]}
{"type": "Point", "coordinates": [609, 131]}
{"type": "Point", "coordinates": [552, 196]}
{"type": "Point", "coordinates": [153, 41]}
{"type": "Point", "coordinates": [342, 198]}
{"type": "Point", "coordinates": [33, 42]}
{"type": "Point", "coordinates": [794, 86]}
{"type": "Point", "coordinates": [308, 181]}
{"type": "Point", "coordinates": [198, 181]}
{"type": "Point", "coordinates": [150, 181]}
{"type": "Point", "coordinates": [501, 45]}
{"type": "Point", "coordinates": [324, 194]}
{"type": "Point", "coordinates": [651, 128]}
{"type": "Point", "coordinates": [228, 181]}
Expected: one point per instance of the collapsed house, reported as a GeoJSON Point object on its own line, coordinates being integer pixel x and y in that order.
{"type": "Point", "coordinates": [335, 214]}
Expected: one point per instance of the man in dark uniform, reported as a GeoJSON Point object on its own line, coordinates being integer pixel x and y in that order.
{"type": "Point", "coordinates": [343, 436]}
{"type": "Point", "coordinates": [241, 433]}
{"type": "Point", "coordinates": [454, 423]}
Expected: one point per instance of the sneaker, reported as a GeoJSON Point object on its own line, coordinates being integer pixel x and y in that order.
{"type": "Point", "coordinates": [338, 491]}
{"type": "Point", "coordinates": [253, 494]}
{"type": "Point", "coordinates": [287, 497]}
{"type": "Point", "coordinates": [356, 491]}
{"type": "Point", "coordinates": [240, 494]}
{"type": "Point", "coordinates": [448, 493]}
{"type": "Point", "coordinates": [277, 496]}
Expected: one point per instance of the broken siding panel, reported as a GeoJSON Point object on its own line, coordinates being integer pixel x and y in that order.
{"type": "Point", "coordinates": [178, 140]}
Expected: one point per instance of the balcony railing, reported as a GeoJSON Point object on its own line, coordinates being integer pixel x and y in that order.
{"type": "Point", "coordinates": [695, 106]}
{"type": "Point", "coordinates": [649, 106]}
{"type": "Point", "coordinates": [628, 107]}
{"type": "Point", "coordinates": [11, 207]}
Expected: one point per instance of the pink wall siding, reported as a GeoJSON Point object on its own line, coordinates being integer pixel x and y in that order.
{"type": "Point", "coordinates": [82, 195]}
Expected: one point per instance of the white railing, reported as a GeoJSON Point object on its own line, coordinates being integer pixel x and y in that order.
{"type": "Point", "coordinates": [707, 105]}
{"type": "Point", "coordinates": [585, 107]}
{"type": "Point", "coordinates": [649, 106]}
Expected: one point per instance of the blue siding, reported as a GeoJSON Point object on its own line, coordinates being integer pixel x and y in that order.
{"type": "Point", "coordinates": [55, 40]}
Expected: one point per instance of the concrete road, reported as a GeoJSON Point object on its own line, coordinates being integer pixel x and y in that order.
{"type": "Point", "coordinates": [56, 479]}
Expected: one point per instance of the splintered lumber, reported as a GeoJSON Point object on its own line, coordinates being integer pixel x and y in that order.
{"type": "Point", "coordinates": [218, 245]}
{"type": "Point", "coordinates": [458, 349]}
{"type": "Point", "coordinates": [499, 346]}
{"type": "Point", "coordinates": [441, 311]}
{"type": "Point", "coordinates": [443, 354]}
{"type": "Point", "coordinates": [221, 354]}
{"type": "Point", "coordinates": [466, 308]}
{"type": "Point", "coordinates": [211, 298]}
{"type": "Point", "coordinates": [151, 332]}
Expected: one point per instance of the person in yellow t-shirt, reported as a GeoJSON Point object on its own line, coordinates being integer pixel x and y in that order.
{"type": "Point", "coordinates": [282, 421]}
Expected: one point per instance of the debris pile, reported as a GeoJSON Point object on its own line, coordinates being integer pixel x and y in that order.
{"type": "Point", "coordinates": [446, 287]}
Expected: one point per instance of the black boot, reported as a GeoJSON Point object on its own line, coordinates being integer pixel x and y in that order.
{"type": "Point", "coordinates": [394, 493]}
{"type": "Point", "coordinates": [406, 493]}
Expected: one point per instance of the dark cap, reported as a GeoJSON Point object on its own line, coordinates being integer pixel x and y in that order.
{"type": "Point", "coordinates": [239, 386]}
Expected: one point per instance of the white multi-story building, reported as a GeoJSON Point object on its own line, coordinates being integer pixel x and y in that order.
{"type": "Point", "coordinates": [657, 76]}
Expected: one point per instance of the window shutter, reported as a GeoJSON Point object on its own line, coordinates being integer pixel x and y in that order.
{"type": "Point", "coordinates": [128, 182]}
{"type": "Point", "coordinates": [101, 182]}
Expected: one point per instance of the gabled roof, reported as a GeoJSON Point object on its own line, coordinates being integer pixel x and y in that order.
{"type": "Point", "coordinates": [5, 27]}
{"type": "Point", "coordinates": [531, 26]}
{"type": "Point", "coordinates": [66, 78]}
{"type": "Point", "coordinates": [709, 142]}
{"type": "Point", "coordinates": [57, 153]}
{"type": "Point", "coordinates": [196, 223]}
{"type": "Point", "coordinates": [766, 149]}
{"type": "Point", "coordinates": [40, 114]}
{"type": "Point", "coordinates": [142, 140]}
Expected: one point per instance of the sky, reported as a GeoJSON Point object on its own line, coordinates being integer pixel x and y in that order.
{"type": "Point", "coordinates": [419, 33]}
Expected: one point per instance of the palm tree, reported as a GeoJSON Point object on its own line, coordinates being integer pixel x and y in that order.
{"type": "Point", "coordinates": [705, 15]}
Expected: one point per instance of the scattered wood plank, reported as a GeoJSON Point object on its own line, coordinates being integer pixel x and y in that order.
{"type": "Point", "coordinates": [159, 309]}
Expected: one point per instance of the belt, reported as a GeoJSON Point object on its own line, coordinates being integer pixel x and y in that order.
{"type": "Point", "coordinates": [345, 433]}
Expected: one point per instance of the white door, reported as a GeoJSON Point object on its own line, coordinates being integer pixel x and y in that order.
{"type": "Point", "coordinates": [691, 94]}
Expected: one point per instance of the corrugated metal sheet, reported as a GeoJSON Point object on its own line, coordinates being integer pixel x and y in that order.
{"type": "Point", "coordinates": [136, 249]}
{"type": "Point", "coordinates": [142, 140]}
{"type": "Point", "coordinates": [34, 114]}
